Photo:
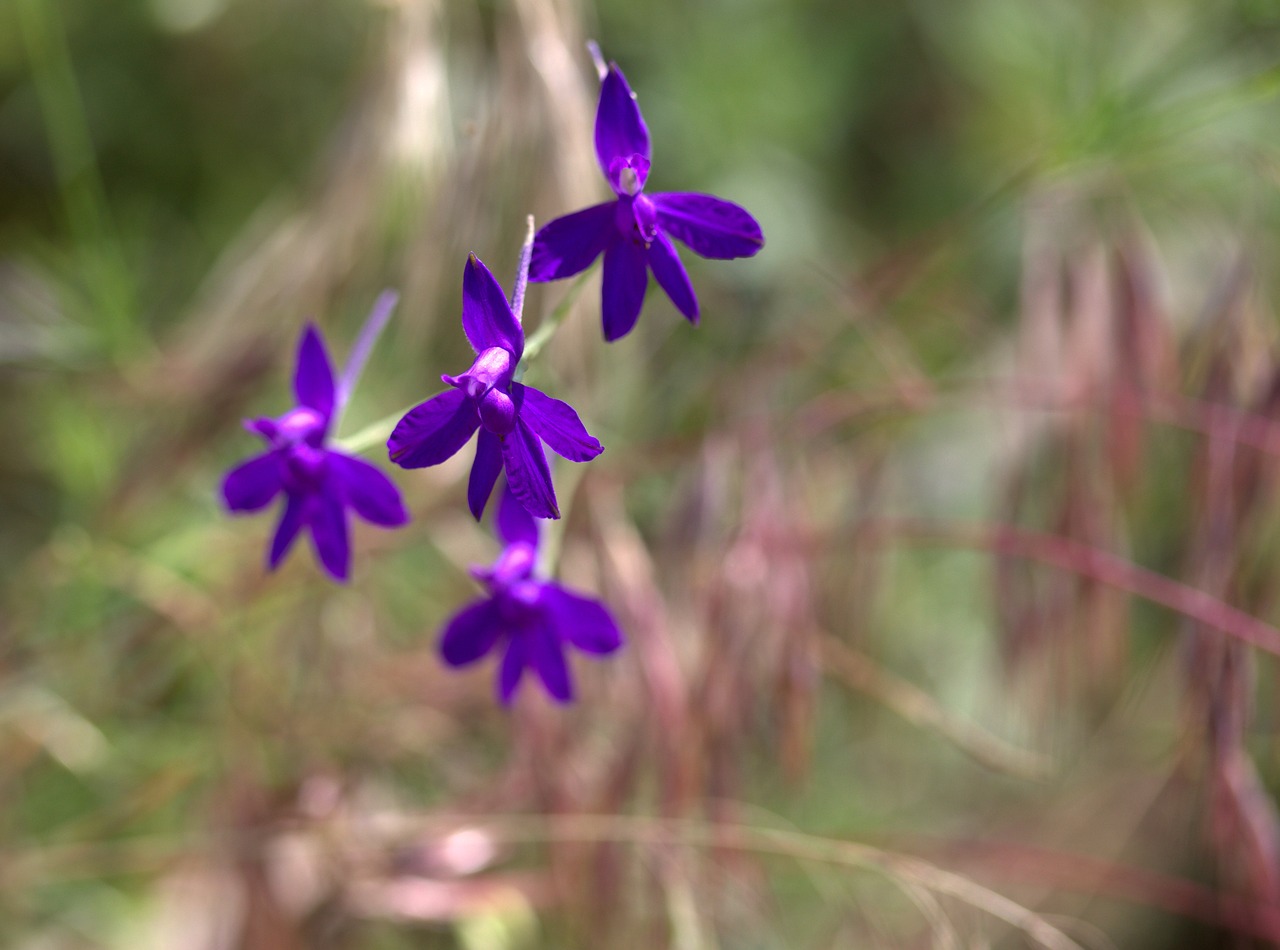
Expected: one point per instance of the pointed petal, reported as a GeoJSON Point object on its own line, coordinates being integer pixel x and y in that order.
{"type": "Point", "coordinates": [672, 276]}
{"type": "Point", "coordinates": [252, 485]}
{"type": "Point", "coordinates": [527, 472]}
{"type": "Point", "coordinates": [625, 280]}
{"type": "Point", "coordinates": [313, 384]}
{"type": "Point", "coordinates": [368, 490]}
{"type": "Point", "coordinates": [486, 316]}
{"type": "Point", "coordinates": [291, 522]}
{"type": "Point", "coordinates": [484, 472]}
{"type": "Point", "coordinates": [267, 428]}
{"type": "Point", "coordinates": [374, 324]}
{"type": "Point", "coordinates": [546, 655]}
{"type": "Point", "coordinates": [330, 535]}
{"type": "Point", "coordinates": [515, 524]}
{"type": "Point", "coordinates": [471, 633]}
{"type": "Point", "coordinates": [620, 129]}
{"type": "Point", "coordinates": [513, 662]}
{"type": "Point", "coordinates": [582, 621]}
{"type": "Point", "coordinates": [711, 226]}
{"type": "Point", "coordinates": [568, 245]}
{"type": "Point", "coordinates": [556, 424]}
{"type": "Point", "coordinates": [433, 431]}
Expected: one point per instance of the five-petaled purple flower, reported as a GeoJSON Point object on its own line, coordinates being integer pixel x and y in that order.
{"type": "Point", "coordinates": [319, 483]}
{"type": "Point", "coordinates": [634, 231]}
{"type": "Point", "coordinates": [514, 420]}
{"type": "Point", "coordinates": [535, 618]}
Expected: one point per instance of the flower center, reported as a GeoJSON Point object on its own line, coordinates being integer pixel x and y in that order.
{"type": "Point", "coordinates": [498, 412]}
{"type": "Point", "coordinates": [492, 367]}
{"type": "Point", "coordinates": [637, 218]}
{"type": "Point", "coordinates": [299, 426]}
{"type": "Point", "coordinates": [520, 603]}
{"type": "Point", "coordinates": [303, 467]}
{"type": "Point", "coordinates": [515, 564]}
{"type": "Point", "coordinates": [628, 174]}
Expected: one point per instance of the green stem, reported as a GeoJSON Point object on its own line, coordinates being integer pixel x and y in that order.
{"type": "Point", "coordinates": [375, 433]}
{"type": "Point", "coordinates": [547, 328]}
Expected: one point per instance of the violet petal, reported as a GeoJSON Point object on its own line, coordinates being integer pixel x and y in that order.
{"type": "Point", "coordinates": [313, 383]}
{"type": "Point", "coordinates": [625, 279]}
{"type": "Point", "coordinates": [515, 524]}
{"type": "Point", "coordinates": [484, 472]}
{"type": "Point", "coordinates": [546, 655]}
{"type": "Point", "coordinates": [252, 485]}
{"type": "Point", "coordinates": [710, 226]}
{"type": "Point", "coordinates": [528, 473]}
{"type": "Point", "coordinates": [291, 522]}
{"type": "Point", "coordinates": [620, 129]}
{"type": "Point", "coordinates": [433, 431]}
{"type": "Point", "coordinates": [513, 662]}
{"type": "Point", "coordinates": [368, 490]}
{"type": "Point", "coordinates": [330, 535]}
{"type": "Point", "coordinates": [267, 428]}
{"type": "Point", "coordinates": [568, 245]}
{"type": "Point", "coordinates": [582, 621]}
{"type": "Point", "coordinates": [672, 277]}
{"type": "Point", "coordinates": [486, 316]}
{"type": "Point", "coordinates": [556, 423]}
{"type": "Point", "coordinates": [471, 633]}
{"type": "Point", "coordinates": [498, 412]}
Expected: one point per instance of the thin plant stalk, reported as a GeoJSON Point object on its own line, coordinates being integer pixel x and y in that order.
{"type": "Point", "coordinates": [74, 162]}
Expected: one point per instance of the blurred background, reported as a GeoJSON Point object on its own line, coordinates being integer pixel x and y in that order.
{"type": "Point", "coordinates": [946, 547]}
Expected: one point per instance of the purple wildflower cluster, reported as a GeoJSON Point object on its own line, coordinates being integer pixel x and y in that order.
{"type": "Point", "coordinates": [531, 617]}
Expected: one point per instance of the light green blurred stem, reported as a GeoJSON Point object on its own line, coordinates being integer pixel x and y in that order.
{"type": "Point", "coordinates": [100, 258]}
{"type": "Point", "coordinates": [375, 433]}
{"type": "Point", "coordinates": [547, 329]}
{"type": "Point", "coordinates": [378, 432]}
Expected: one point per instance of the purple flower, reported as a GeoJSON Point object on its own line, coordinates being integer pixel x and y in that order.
{"type": "Point", "coordinates": [319, 484]}
{"type": "Point", "coordinates": [634, 231]}
{"type": "Point", "coordinates": [534, 618]}
{"type": "Point", "coordinates": [514, 420]}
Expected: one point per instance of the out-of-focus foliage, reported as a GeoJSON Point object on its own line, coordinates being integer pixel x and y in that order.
{"type": "Point", "coordinates": [951, 531]}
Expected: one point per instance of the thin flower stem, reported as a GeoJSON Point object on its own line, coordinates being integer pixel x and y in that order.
{"type": "Point", "coordinates": [375, 433]}
{"type": "Point", "coordinates": [522, 273]}
{"type": "Point", "coordinates": [369, 333]}
{"type": "Point", "coordinates": [546, 330]}
{"type": "Point", "coordinates": [552, 545]}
